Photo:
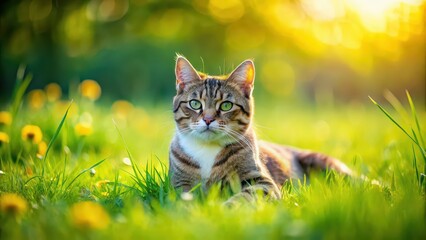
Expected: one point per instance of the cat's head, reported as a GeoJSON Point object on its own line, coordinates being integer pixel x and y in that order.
{"type": "Point", "coordinates": [213, 108]}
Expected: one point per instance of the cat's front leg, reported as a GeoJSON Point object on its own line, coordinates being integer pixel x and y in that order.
{"type": "Point", "coordinates": [252, 188]}
{"type": "Point", "coordinates": [180, 180]}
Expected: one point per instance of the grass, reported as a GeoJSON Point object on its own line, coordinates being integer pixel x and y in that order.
{"type": "Point", "coordinates": [140, 202]}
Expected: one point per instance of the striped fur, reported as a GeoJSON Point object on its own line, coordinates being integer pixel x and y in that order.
{"type": "Point", "coordinates": [213, 144]}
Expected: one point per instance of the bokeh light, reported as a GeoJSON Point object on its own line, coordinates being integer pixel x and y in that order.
{"type": "Point", "coordinates": [129, 46]}
{"type": "Point", "coordinates": [36, 98]}
{"type": "Point", "coordinates": [278, 77]}
{"type": "Point", "coordinates": [53, 92]}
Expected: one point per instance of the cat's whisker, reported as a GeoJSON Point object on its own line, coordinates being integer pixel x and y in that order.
{"type": "Point", "coordinates": [238, 137]}
{"type": "Point", "coordinates": [185, 130]}
{"type": "Point", "coordinates": [244, 139]}
{"type": "Point", "coordinates": [248, 144]}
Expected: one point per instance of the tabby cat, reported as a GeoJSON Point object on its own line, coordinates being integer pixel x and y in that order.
{"type": "Point", "coordinates": [215, 141]}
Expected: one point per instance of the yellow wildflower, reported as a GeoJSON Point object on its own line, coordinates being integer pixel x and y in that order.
{"type": "Point", "coordinates": [83, 129]}
{"type": "Point", "coordinates": [101, 183]}
{"type": "Point", "coordinates": [5, 118]}
{"type": "Point", "coordinates": [90, 89]}
{"type": "Point", "coordinates": [89, 215]}
{"type": "Point", "coordinates": [29, 171]}
{"type": "Point", "coordinates": [53, 92]}
{"type": "Point", "coordinates": [4, 138]}
{"type": "Point", "coordinates": [32, 133]}
{"type": "Point", "coordinates": [122, 108]}
{"type": "Point", "coordinates": [13, 204]}
{"type": "Point", "coordinates": [36, 98]}
{"type": "Point", "coordinates": [41, 149]}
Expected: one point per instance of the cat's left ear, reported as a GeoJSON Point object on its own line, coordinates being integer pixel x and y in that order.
{"type": "Point", "coordinates": [185, 73]}
{"type": "Point", "coordinates": [243, 75]}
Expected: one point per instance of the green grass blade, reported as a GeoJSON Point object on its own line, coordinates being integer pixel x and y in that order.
{"type": "Point", "coordinates": [20, 73]}
{"type": "Point", "coordinates": [392, 119]}
{"type": "Point", "coordinates": [414, 113]}
{"type": "Point", "coordinates": [126, 186]}
{"type": "Point", "coordinates": [422, 150]}
{"type": "Point", "coordinates": [58, 130]}
{"type": "Point", "coordinates": [85, 170]}
{"type": "Point", "coordinates": [32, 178]}
{"type": "Point", "coordinates": [415, 165]}
{"type": "Point", "coordinates": [397, 105]}
{"type": "Point", "coordinates": [135, 168]}
{"type": "Point", "coordinates": [18, 93]}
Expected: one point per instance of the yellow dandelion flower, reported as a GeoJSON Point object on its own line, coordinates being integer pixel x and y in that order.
{"type": "Point", "coordinates": [32, 133]}
{"type": "Point", "coordinates": [13, 204]}
{"type": "Point", "coordinates": [101, 183]}
{"type": "Point", "coordinates": [83, 129]}
{"type": "Point", "coordinates": [41, 148]}
{"type": "Point", "coordinates": [90, 89]}
{"type": "Point", "coordinates": [4, 138]}
{"type": "Point", "coordinates": [122, 108]}
{"type": "Point", "coordinates": [53, 92]}
{"type": "Point", "coordinates": [36, 98]}
{"type": "Point", "coordinates": [89, 215]}
{"type": "Point", "coordinates": [29, 171]}
{"type": "Point", "coordinates": [5, 118]}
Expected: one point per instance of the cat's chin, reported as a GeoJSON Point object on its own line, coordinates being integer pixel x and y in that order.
{"type": "Point", "coordinates": [208, 136]}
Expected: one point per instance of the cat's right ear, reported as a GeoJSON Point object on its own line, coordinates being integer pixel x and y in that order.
{"type": "Point", "coordinates": [185, 73]}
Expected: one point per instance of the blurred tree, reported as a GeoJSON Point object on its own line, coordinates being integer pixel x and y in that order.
{"type": "Point", "coordinates": [345, 49]}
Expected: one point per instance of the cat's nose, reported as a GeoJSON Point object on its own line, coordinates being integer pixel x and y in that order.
{"type": "Point", "coordinates": [208, 120]}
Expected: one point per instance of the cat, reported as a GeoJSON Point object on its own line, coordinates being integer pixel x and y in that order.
{"type": "Point", "coordinates": [215, 141]}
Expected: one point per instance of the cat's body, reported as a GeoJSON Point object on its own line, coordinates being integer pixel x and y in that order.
{"type": "Point", "coordinates": [215, 141]}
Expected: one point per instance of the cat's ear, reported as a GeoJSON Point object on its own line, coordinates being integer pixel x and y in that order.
{"type": "Point", "coordinates": [185, 73]}
{"type": "Point", "coordinates": [243, 75]}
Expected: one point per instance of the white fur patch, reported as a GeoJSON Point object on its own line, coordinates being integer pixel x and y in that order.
{"type": "Point", "coordinates": [203, 153]}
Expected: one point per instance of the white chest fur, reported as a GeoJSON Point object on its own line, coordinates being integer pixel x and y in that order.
{"type": "Point", "coordinates": [202, 153]}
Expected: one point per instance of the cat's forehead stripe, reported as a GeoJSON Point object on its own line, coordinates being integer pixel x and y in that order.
{"type": "Point", "coordinates": [212, 86]}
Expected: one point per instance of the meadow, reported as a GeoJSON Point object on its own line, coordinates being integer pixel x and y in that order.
{"type": "Point", "coordinates": [86, 169]}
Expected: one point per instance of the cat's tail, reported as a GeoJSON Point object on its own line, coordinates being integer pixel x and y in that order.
{"type": "Point", "coordinates": [309, 160]}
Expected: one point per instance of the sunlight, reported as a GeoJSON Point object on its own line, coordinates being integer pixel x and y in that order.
{"type": "Point", "coordinates": [324, 10]}
{"type": "Point", "coordinates": [347, 23]}
{"type": "Point", "coordinates": [244, 35]}
{"type": "Point", "coordinates": [226, 11]}
{"type": "Point", "coordinates": [383, 15]}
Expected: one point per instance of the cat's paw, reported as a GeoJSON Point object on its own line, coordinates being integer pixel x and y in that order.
{"type": "Point", "coordinates": [232, 203]}
{"type": "Point", "coordinates": [239, 200]}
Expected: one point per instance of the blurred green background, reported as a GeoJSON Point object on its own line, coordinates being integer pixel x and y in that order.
{"type": "Point", "coordinates": [317, 50]}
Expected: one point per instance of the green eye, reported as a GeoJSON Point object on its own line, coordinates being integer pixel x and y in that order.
{"type": "Point", "coordinates": [195, 104]}
{"type": "Point", "coordinates": [226, 106]}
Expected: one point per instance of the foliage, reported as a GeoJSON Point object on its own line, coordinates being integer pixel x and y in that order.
{"type": "Point", "coordinates": [416, 138]}
{"type": "Point", "coordinates": [342, 47]}
{"type": "Point", "coordinates": [112, 182]}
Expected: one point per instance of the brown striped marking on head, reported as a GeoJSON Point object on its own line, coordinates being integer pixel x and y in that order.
{"type": "Point", "coordinates": [215, 109]}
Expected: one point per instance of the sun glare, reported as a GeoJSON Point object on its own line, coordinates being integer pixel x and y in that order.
{"type": "Point", "coordinates": [396, 18]}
